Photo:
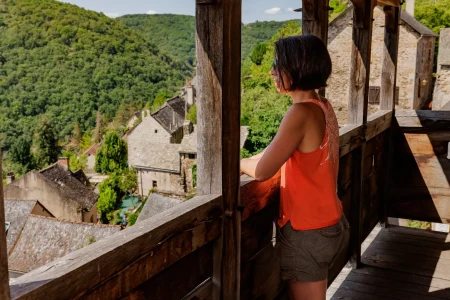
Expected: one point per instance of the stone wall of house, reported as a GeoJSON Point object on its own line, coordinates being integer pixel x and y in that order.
{"type": "Point", "coordinates": [33, 186]}
{"type": "Point", "coordinates": [90, 165]}
{"type": "Point", "coordinates": [187, 162]}
{"type": "Point", "coordinates": [340, 48]}
{"type": "Point", "coordinates": [441, 98]}
{"type": "Point", "coordinates": [91, 216]}
{"type": "Point", "coordinates": [166, 182]}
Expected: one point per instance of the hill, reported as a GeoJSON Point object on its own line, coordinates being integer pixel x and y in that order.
{"type": "Point", "coordinates": [67, 62]}
{"type": "Point", "coordinates": [175, 34]}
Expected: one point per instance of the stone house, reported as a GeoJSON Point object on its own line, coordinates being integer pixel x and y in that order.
{"type": "Point", "coordinates": [61, 192]}
{"type": "Point", "coordinates": [415, 62]}
{"type": "Point", "coordinates": [43, 240]}
{"type": "Point", "coordinates": [91, 154]}
{"type": "Point", "coordinates": [441, 97]}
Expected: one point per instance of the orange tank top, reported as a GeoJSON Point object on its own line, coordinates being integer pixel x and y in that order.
{"type": "Point", "coordinates": [308, 194]}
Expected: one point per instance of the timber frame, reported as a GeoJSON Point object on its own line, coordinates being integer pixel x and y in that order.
{"type": "Point", "coordinates": [222, 243]}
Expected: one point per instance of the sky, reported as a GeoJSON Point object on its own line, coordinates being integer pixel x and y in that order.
{"type": "Point", "coordinates": [252, 10]}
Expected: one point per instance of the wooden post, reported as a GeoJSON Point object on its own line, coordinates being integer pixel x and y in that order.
{"type": "Point", "coordinates": [357, 109]}
{"type": "Point", "coordinates": [4, 275]}
{"type": "Point", "coordinates": [388, 94]}
{"type": "Point", "coordinates": [315, 21]}
{"type": "Point", "coordinates": [360, 64]}
{"type": "Point", "coordinates": [218, 73]}
{"type": "Point", "coordinates": [390, 55]}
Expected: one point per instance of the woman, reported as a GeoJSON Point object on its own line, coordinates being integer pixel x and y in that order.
{"type": "Point", "coordinates": [306, 148]}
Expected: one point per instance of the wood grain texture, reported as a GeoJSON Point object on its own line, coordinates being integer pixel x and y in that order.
{"type": "Point", "coordinates": [377, 123]}
{"type": "Point", "coordinates": [202, 292]}
{"type": "Point", "coordinates": [390, 57]}
{"type": "Point", "coordinates": [66, 277]}
{"type": "Point", "coordinates": [4, 275]}
{"type": "Point", "coordinates": [422, 120]}
{"type": "Point", "coordinates": [395, 3]}
{"type": "Point", "coordinates": [350, 138]}
{"type": "Point", "coordinates": [360, 63]}
{"type": "Point", "coordinates": [218, 72]}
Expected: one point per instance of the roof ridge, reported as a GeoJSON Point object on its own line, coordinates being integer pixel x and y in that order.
{"type": "Point", "coordinates": [74, 222]}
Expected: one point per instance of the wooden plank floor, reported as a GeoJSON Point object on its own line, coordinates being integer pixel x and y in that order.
{"type": "Point", "coordinates": [399, 263]}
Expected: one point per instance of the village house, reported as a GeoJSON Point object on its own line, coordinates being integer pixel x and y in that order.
{"type": "Point", "coordinates": [91, 154]}
{"type": "Point", "coordinates": [163, 146]}
{"type": "Point", "coordinates": [65, 195]}
{"type": "Point", "coordinates": [43, 240]}
{"type": "Point", "coordinates": [415, 62]}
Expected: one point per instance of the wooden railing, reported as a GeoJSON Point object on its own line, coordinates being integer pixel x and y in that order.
{"type": "Point", "coordinates": [171, 255]}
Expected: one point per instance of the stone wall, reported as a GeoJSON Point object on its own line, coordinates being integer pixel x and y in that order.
{"type": "Point", "coordinates": [166, 182]}
{"type": "Point", "coordinates": [33, 186]}
{"type": "Point", "coordinates": [441, 98]}
{"type": "Point", "coordinates": [340, 46]}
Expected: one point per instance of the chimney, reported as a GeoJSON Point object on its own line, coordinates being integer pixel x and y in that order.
{"type": "Point", "coordinates": [10, 177]}
{"type": "Point", "coordinates": [190, 94]}
{"type": "Point", "coordinates": [410, 6]}
{"type": "Point", "coordinates": [64, 161]}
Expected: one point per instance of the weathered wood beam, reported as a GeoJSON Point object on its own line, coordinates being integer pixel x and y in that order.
{"type": "Point", "coordinates": [350, 138]}
{"type": "Point", "coordinates": [360, 64]}
{"type": "Point", "coordinates": [378, 123]}
{"type": "Point", "coordinates": [394, 3]}
{"type": "Point", "coordinates": [4, 274]}
{"type": "Point", "coordinates": [218, 71]}
{"type": "Point", "coordinates": [390, 55]}
{"type": "Point", "coordinates": [117, 264]}
{"type": "Point", "coordinates": [315, 21]}
{"type": "Point", "coordinates": [422, 120]}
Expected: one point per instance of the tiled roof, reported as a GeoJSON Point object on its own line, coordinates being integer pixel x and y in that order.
{"type": "Point", "coordinates": [71, 186]}
{"type": "Point", "coordinates": [157, 204]}
{"type": "Point", "coordinates": [17, 213]}
{"type": "Point", "coordinates": [45, 239]}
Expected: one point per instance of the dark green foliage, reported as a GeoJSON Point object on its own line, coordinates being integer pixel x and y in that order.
{"type": "Point", "coordinates": [338, 7]}
{"type": "Point", "coordinates": [132, 219]}
{"type": "Point", "coordinates": [258, 53]}
{"type": "Point", "coordinates": [262, 107]}
{"type": "Point", "coordinates": [433, 14]}
{"type": "Point", "coordinates": [76, 162]}
{"type": "Point", "coordinates": [194, 175]}
{"type": "Point", "coordinates": [107, 201]}
{"type": "Point", "coordinates": [20, 155]}
{"type": "Point", "coordinates": [175, 34]}
{"type": "Point", "coordinates": [112, 157]}
{"type": "Point", "coordinates": [192, 114]}
{"type": "Point", "coordinates": [67, 62]}
{"type": "Point", "coordinates": [129, 181]}
{"type": "Point", "coordinates": [46, 143]}
{"type": "Point", "coordinates": [159, 101]}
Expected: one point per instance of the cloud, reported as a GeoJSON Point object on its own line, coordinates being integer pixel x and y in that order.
{"type": "Point", "coordinates": [273, 11]}
{"type": "Point", "coordinates": [112, 15]}
{"type": "Point", "coordinates": [290, 9]}
{"type": "Point", "coordinates": [152, 12]}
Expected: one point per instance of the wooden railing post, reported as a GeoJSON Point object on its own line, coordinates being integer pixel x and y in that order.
{"type": "Point", "coordinates": [4, 275]}
{"type": "Point", "coordinates": [388, 93]}
{"type": "Point", "coordinates": [390, 55]}
{"type": "Point", "coordinates": [315, 21]}
{"type": "Point", "coordinates": [357, 110]}
{"type": "Point", "coordinates": [218, 73]}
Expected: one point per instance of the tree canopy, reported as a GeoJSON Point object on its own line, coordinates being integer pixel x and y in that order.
{"type": "Point", "coordinates": [112, 157]}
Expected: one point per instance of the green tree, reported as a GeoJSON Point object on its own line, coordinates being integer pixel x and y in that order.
{"type": "Point", "coordinates": [112, 157]}
{"type": "Point", "coordinates": [192, 114]}
{"type": "Point", "coordinates": [20, 154]}
{"type": "Point", "coordinates": [107, 201]}
{"type": "Point", "coordinates": [129, 181]}
{"type": "Point", "coordinates": [46, 143]}
{"type": "Point", "coordinates": [159, 101]}
{"type": "Point", "coordinates": [258, 53]}
{"type": "Point", "coordinates": [86, 141]}
{"type": "Point", "coordinates": [77, 162]}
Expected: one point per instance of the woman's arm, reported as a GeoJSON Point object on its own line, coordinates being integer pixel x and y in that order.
{"type": "Point", "coordinates": [284, 144]}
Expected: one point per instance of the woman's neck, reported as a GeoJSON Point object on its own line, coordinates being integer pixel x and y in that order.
{"type": "Point", "coordinates": [299, 96]}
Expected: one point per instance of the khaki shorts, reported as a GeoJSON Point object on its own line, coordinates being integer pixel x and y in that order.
{"type": "Point", "coordinates": [307, 255]}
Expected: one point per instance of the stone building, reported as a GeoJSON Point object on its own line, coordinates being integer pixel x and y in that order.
{"type": "Point", "coordinates": [441, 97]}
{"type": "Point", "coordinates": [415, 62]}
{"type": "Point", "coordinates": [61, 192]}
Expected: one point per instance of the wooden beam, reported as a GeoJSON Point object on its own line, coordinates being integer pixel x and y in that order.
{"type": "Point", "coordinates": [4, 274]}
{"type": "Point", "coordinates": [126, 257]}
{"type": "Point", "coordinates": [360, 64]}
{"type": "Point", "coordinates": [422, 120]}
{"type": "Point", "coordinates": [315, 21]}
{"type": "Point", "coordinates": [218, 71]}
{"type": "Point", "coordinates": [377, 123]}
{"type": "Point", "coordinates": [390, 55]}
{"type": "Point", "coordinates": [394, 3]}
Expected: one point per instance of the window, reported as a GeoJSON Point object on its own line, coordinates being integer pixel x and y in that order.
{"type": "Point", "coordinates": [191, 156]}
{"type": "Point", "coordinates": [154, 184]}
{"type": "Point", "coordinates": [7, 224]}
{"type": "Point", "coordinates": [156, 130]}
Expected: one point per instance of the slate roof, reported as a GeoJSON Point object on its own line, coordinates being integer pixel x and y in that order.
{"type": "Point", "coordinates": [172, 114]}
{"type": "Point", "coordinates": [45, 239]}
{"type": "Point", "coordinates": [70, 185]}
{"type": "Point", "coordinates": [17, 213]}
{"type": "Point", "coordinates": [156, 204]}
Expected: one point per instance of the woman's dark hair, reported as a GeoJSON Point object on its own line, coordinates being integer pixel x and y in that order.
{"type": "Point", "coordinates": [305, 60]}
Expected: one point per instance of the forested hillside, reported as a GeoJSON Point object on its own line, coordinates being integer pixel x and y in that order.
{"type": "Point", "coordinates": [68, 63]}
{"type": "Point", "coordinates": [175, 34]}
